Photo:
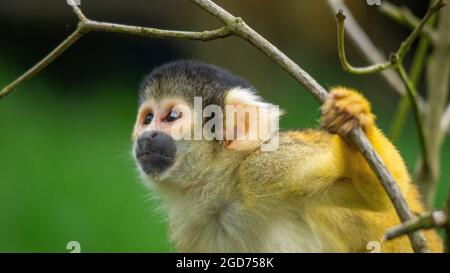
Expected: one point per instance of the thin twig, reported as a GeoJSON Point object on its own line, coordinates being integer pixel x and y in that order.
{"type": "Point", "coordinates": [207, 35]}
{"type": "Point", "coordinates": [77, 10]}
{"type": "Point", "coordinates": [242, 30]}
{"type": "Point", "coordinates": [342, 57]}
{"type": "Point", "coordinates": [412, 95]}
{"type": "Point", "coordinates": [417, 67]}
{"type": "Point", "coordinates": [87, 25]}
{"type": "Point", "coordinates": [399, 54]}
{"type": "Point", "coordinates": [43, 63]}
{"type": "Point", "coordinates": [404, 47]}
{"type": "Point", "coordinates": [364, 44]}
{"type": "Point", "coordinates": [373, 55]}
{"type": "Point", "coordinates": [405, 17]}
{"type": "Point", "coordinates": [395, 60]}
{"type": "Point", "coordinates": [426, 221]}
{"type": "Point", "coordinates": [417, 240]}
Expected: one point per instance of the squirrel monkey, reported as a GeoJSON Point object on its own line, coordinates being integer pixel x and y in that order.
{"type": "Point", "coordinates": [313, 193]}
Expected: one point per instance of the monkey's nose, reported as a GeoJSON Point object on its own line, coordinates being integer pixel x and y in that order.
{"type": "Point", "coordinates": [155, 151]}
{"type": "Point", "coordinates": [155, 142]}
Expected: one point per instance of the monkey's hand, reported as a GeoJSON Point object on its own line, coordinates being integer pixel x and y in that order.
{"type": "Point", "coordinates": [344, 110]}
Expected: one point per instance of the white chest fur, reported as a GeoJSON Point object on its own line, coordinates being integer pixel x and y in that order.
{"type": "Point", "coordinates": [229, 228]}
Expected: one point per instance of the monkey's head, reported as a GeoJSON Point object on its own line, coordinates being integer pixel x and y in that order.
{"type": "Point", "coordinates": [196, 121]}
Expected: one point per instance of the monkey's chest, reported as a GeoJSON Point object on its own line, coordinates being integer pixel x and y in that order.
{"type": "Point", "coordinates": [233, 230]}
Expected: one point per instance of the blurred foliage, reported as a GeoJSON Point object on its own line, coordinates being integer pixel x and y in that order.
{"type": "Point", "coordinates": [66, 171]}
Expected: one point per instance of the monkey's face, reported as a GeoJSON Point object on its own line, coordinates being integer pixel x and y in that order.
{"type": "Point", "coordinates": [155, 147]}
{"type": "Point", "coordinates": [194, 121]}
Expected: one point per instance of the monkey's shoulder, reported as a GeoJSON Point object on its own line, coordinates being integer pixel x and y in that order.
{"type": "Point", "coordinates": [294, 145]}
{"type": "Point", "coordinates": [306, 137]}
{"type": "Point", "coordinates": [297, 151]}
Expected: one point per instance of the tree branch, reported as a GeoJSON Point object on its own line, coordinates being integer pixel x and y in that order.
{"type": "Point", "coordinates": [77, 10]}
{"type": "Point", "coordinates": [412, 95]}
{"type": "Point", "coordinates": [396, 61]}
{"type": "Point", "coordinates": [438, 85]}
{"type": "Point", "coordinates": [377, 67]}
{"type": "Point", "coordinates": [239, 28]}
{"type": "Point", "coordinates": [399, 54]}
{"type": "Point", "coordinates": [43, 63]}
{"type": "Point", "coordinates": [426, 221]}
{"type": "Point", "coordinates": [86, 25]}
{"type": "Point", "coordinates": [207, 35]}
{"type": "Point", "coordinates": [405, 17]}
{"type": "Point", "coordinates": [404, 47]}
{"type": "Point", "coordinates": [417, 67]}
{"type": "Point", "coordinates": [366, 46]}
{"type": "Point", "coordinates": [373, 55]}
{"type": "Point", "coordinates": [242, 30]}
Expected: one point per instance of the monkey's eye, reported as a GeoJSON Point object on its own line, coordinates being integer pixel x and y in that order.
{"type": "Point", "coordinates": [173, 115]}
{"type": "Point", "coordinates": [148, 118]}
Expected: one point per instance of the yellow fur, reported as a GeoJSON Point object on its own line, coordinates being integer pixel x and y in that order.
{"type": "Point", "coordinates": [325, 182]}
{"type": "Point", "coordinates": [315, 193]}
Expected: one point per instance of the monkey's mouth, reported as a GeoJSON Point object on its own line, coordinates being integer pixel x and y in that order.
{"type": "Point", "coordinates": [154, 163]}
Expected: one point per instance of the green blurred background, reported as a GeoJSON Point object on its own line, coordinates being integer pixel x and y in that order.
{"type": "Point", "coordinates": [66, 171]}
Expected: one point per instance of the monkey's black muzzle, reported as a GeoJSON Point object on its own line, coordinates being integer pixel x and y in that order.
{"type": "Point", "coordinates": [155, 151]}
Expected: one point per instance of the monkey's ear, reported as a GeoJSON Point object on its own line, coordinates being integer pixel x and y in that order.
{"type": "Point", "coordinates": [249, 121]}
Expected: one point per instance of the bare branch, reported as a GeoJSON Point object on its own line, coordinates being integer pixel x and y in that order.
{"type": "Point", "coordinates": [366, 46]}
{"type": "Point", "coordinates": [412, 95]}
{"type": "Point", "coordinates": [426, 221]}
{"type": "Point", "coordinates": [342, 57]}
{"type": "Point", "coordinates": [207, 35]}
{"type": "Point", "coordinates": [404, 47]}
{"type": "Point", "coordinates": [86, 25]}
{"type": "Point", "coordinates": [416, 70]}
{"type": "Point", "coordinates": [43, 63]}
{"type": "Point", "coordinates": [399, 54]}
{"type": "Point", "coordinates": [406, 17]}
{"type": "Point", "coordinates": [418, 242]}
{"type": "Point", "coordinates": [77, 10]}
{"type": "Point", "coordinates": [396, 60]}
{"type": "Point", "coordinates": [373, 55]}
{"type": "Point", "coordinates": [242, 30]}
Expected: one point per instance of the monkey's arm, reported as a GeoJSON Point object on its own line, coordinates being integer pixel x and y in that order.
{"type": "Point", "coordinates": [322, 180]}
{"type": "Point", "coordinates": [344, 110]}
{"type": "Point", "coordinates": [314, 163]}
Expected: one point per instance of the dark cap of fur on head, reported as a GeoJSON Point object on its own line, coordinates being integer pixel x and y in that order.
{"type": "Point", "coordinates": [188, 79]}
